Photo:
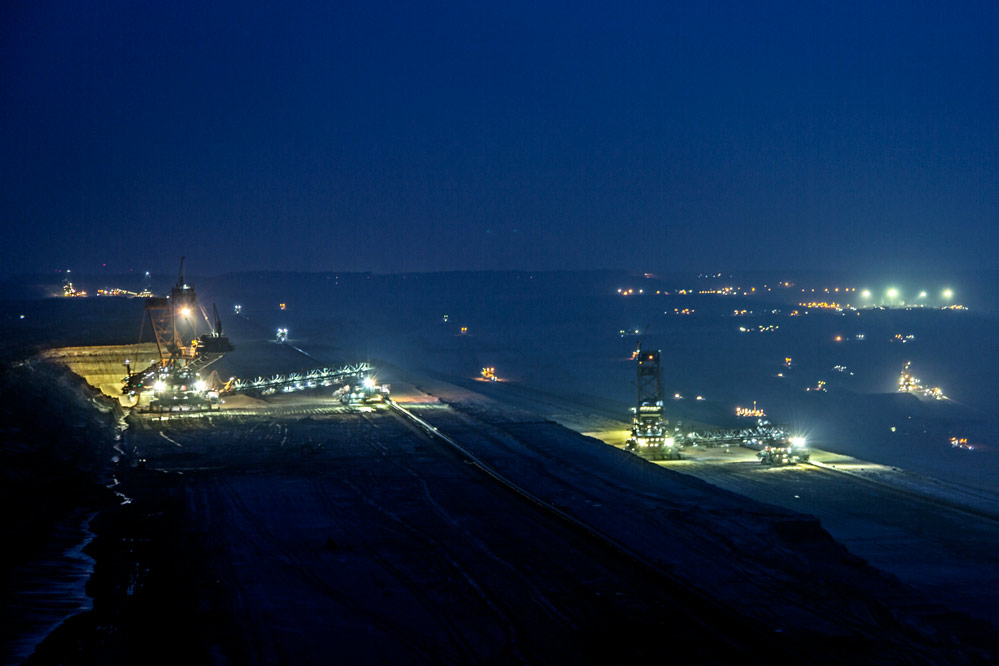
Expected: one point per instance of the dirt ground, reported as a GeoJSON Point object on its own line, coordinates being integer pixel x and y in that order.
{"type": "Point", "coordinates": [293, 529]}
{"type": "Point", "coordinates": [298, 530]}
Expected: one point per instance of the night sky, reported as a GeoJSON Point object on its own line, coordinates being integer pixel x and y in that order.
{"type": "Point", "coordinates": [410, 136]}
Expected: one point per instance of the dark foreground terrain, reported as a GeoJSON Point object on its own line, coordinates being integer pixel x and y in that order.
{"type": "Point", "coordinates": [294, 530]}
{"type": "Point", "coordinates": [299, 531]}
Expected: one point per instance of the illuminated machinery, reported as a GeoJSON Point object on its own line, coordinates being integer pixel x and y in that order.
{"type": "Point", "coordinates": [771, 441]}
{"type": "Point", "coordinates": [649, 437]}
{"type": "Point", "coordinates": [909, 383]}
{"type": "Point", "coordinates": [70, 291]}
{"type": "Point", "coordinates": [750, 412]}
{"type": "Point", "coordinates": [788, 451]}
{"type": "Point", "coordinates": [367, 392]}
{"type": "Point", "coordinates": [308, 379]}
{"type": "Point", "coordinates": [174, 382]}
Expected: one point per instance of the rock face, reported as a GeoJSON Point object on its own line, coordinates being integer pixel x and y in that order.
{"type": "Point", "coordinates": [103, 367]}
{"type": "Point", "coordinates": [56, 445]}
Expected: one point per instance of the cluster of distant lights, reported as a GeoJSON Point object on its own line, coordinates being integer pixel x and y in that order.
{"type": "Point", "coordinates": [721, 291]}
{"type": "Point", "coordinates": [961, 443]}
{"type": "Point", "coordinates": [751, 412]}
{"type": "Point", "coordinates": [834, 290]}
{"type": "Point", "coordinates": [892, 295]}
{"type": "Point", "coordinates": [724, 291]}
{"type": "Point", "coordinates": [762, 328]}
{"type": "Point", "coordinates": [909, 383]}
{"type": "Point", "coordinates": [679, 396]}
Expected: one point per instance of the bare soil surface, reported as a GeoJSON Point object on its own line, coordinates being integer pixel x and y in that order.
{"type": "Point", "coordinates": [940, 537]}
{"type": "Point", "coordinates": [296, 530]}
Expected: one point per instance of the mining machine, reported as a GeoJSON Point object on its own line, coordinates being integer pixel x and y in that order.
{"type": "Point", "coordinates": [174, 380]}
{"type": "Point", "coordinates": [650, 436]}
{"type": "Point", "coordinates": [773, 443]}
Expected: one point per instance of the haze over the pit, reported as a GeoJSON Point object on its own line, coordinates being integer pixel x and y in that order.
{"type": "Point", "coordinates": [409, 137]}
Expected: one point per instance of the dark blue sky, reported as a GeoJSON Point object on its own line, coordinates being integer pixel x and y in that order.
{"type": "Point", "coordinates": [394, 137]}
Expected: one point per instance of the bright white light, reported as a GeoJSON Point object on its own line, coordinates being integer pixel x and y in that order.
{"type": "Point", "coordinates": [159, 385]}
{"type": "Point", "coordinates": [797, 441]}
{"type": "Point", "coordinates": [893, 293]}
{"type": "Point", "coordinates": [185, 311]}
{"type": "Point", "coordinates": [866, 293]}
{"type": "Point", "coordinates": [922, 294]}
{"type": "Point", "coordinates": [369, 383]}
{"type": "Point", "coordinates": [668, 441]}
{"type": "Point", "coordinates": [948, 294]}
{"type": "Point", "coordinates": [200, 385]}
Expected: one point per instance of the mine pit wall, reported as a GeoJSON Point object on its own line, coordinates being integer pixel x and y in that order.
{"type": "Point", "coordinates": [58, 442]}
{"type": "Point", "coordinates": [103, 367]}
{"type": "Point", "coordinates": [136, 544]}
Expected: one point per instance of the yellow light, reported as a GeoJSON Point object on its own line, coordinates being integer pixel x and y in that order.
{"type": "Point", "coordinates": [185, 311]}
